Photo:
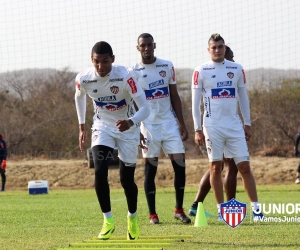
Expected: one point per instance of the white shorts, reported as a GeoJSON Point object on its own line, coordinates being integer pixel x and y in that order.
{"type": "Point", "coordinates": [230, 141]}
{"type": "Point", "coordinates": [164, 136]}
{"type": "Point", "coordinates": [127, 142]}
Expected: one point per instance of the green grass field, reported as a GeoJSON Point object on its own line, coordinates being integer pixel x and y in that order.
{"type": "Point", "coordinates": [61, 217]}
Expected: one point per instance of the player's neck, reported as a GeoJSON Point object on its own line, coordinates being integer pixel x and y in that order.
{"type": "Point", "coordinates": [149, 60]}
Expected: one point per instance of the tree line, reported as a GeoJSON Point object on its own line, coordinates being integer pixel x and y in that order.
{"type": "Point", "coordinates": [38, 116]}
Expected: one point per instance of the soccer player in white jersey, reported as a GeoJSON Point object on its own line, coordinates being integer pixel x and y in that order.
{"type": "Point", "coordinates": [222, 84]}
{"type": "Point", "coordinates": [164, 128]}
{"type": "Point", "coordinates": [230, 180]}
{"type": "Point", "coordinates": [113, 90]}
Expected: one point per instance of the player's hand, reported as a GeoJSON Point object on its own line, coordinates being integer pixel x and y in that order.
{"type": "Point", "coordinates": [82, 137]}
{"type": "Point", "coordinates": [184, 133]}
{"type": "Point", "coordinates": [248, 134]}
{"type": "Point", "coordinates": [124, 125]}
{"type": "Point", "coordinates": [199, 138]}
{"type": "Point", "coordinates": [143, 142]}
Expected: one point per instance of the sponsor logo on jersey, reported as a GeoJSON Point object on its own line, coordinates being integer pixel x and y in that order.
{"type": "Point", "coordinates": [223, 93]}
{"type": "Point", "coordinates": [111, 106]}
{"type": "Point", "coordinates": [132, 85]}
{"type": "Point", "coordinates": [114, 89]}
{"type": "Point", "coordinates": [107, 98]}
{"type": "Point", "coordinates": [161, 65]}
{"type": "Point", "coordinates": [156, 84]}
{"type": "Point", "coordinates": [208, 68]}
{"type": "Point", "coordinates": [173, 74]}
{"type": "Point", "coordinates": [244, 76]}
{"type": "Point", "coordinates": [224, 84]}
{"type": "Point", "coordinates": [95, 90]}
{"type": "Point", "coordinates": [77, 85]}
{"type": "Point", "coordinates": [89, 81]}
{"type": "Point", "coordinates": [196, 75]}
{"type": "Point", "coordinates": [231, 67]}
{"type": "Point", "coordinates": [153, 94]}
{"type": "Point", "coordinates": [139, 69]}
{"type": "Point", "coordinates": [116, 80]}
{"type": "Point", "coordinates": [233, 212]}
{"type": "Point", "coordinates": [162, 73]}
{"type": "Point", "coordinates": [230, 75]}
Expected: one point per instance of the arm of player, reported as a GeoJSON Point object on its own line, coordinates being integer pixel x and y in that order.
{"type": "Point", "coordinates": [177, 107]}
{"type": "Point", "coordinates": [80, 103]}
{"type": "Point", "coordinates": [142, 113]}
{"type": "Point", "coordinates": [245, 110]}
{"type": "Point", "coordinates": [196, 112]}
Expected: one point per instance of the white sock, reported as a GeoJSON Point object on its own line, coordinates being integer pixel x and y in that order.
{"type": "Point", "coordinates": [218, 206]}
{"type": "Point", "coordinates": [107, 215]}
{"type": "Point", "coordinates": [255, 205]}
{"type": "Point", "coordinates": [132, 215]}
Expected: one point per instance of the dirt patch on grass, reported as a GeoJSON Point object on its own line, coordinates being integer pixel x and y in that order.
{"type": "Point", "coordinates": [74, 174]}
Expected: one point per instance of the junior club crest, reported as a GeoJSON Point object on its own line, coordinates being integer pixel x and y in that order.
{"type": "Point", "coordinates": [230, 75]}
{"type": "Point", "coordinates": [162, 73]}
{"type": "Point", "coordinates": [233, 212]}
{"type": "Point", "coordinates": [114, 89]}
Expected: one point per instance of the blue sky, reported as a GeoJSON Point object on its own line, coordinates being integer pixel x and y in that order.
{"type": "Point", "coordinates": [61, 33]}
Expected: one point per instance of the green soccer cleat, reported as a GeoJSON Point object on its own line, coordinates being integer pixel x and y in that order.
{"type": "Point", "coordinates": [133, 232]}
{"type": "Point", "coordinates": [107, 229]}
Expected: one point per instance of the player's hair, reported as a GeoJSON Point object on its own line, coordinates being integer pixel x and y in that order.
{"type": "Point", "coordinates": [216, 37]}
{"type": "Point", "coordinates": [102, 48]}
{"type": "Point", "coordinates": [145, 35]}
{"type": "Point", "coordinates": [227, 49]}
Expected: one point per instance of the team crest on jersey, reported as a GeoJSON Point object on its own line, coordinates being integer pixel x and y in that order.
{"type": "Point", "coordinates": [95, 90]}
{"type": "Point", "coordinates": [233, 212]}
{"type": "Point", "coordinates": [223, 93]}
{"type": "Point", "coordinates": [162, 73]}
{"type": "Point", "coordinates": [114, 89]}
{"type": "Point", "coordinates": [230, 75]}
{"type": "Point", "coordinates": [158, 93]}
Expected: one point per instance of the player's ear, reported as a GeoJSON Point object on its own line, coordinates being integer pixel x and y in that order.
{"type": "Point", "coordinates": [154, 45]}
{"type": "Point", "coordinates": [137, 47]}
{"type": "Point", "coordinates": [112, 58]}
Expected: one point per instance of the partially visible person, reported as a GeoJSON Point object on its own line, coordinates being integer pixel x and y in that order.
{"type": "Point", "coordinates": [114, 91]}
{"type": "Point", "coordinates": [3, 155]}
{"type": "Point", "coordinates": [222, 84]}
{"type": "Point", "coordinates": [164, 128]}
{"type": "Point", "coordinates": [230, 180]}
{"type": "Point", "coordinates": [297, 154]}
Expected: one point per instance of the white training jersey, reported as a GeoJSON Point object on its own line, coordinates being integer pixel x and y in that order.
{"type": "Point", "coordinates": [219, 83]}
{"type": "Point", "coordinates": [155, 79]}
{"type": "Point", "coordinates": [112, 95]}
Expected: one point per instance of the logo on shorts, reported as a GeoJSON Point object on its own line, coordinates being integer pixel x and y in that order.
{"type": "Point", "coordinates": [114, 89]}
{"type": "Point", "coordinates": [233, 212]}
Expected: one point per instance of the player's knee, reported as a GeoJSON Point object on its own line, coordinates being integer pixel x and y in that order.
{"type": "Point", "coordinates": [244, 167]}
